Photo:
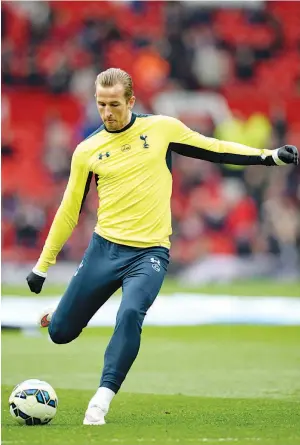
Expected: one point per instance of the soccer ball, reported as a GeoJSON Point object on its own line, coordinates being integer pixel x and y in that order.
{"type": "Point", "coordinates": [33, 402]}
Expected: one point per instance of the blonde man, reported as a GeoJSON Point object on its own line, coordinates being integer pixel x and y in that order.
{"type": "Point", "coordinates": [130, 158]}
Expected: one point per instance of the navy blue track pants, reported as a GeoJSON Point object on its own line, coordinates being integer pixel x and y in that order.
{"type": "Point", "coordinates": [106, 267]}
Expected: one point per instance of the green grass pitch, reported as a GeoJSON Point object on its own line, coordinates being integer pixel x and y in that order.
{"type": "Point", "coordinates": [189, 385]}
{"type": "Point", "coordinates": [258, 287]}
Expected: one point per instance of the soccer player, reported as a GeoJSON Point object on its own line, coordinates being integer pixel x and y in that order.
{"type": "Point", "coordinates": [130, 159]}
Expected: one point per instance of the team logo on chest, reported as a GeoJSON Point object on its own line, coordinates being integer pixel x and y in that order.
{"type": "Point", "coordinates": [143, 137]}
{"type": "Point", "coordinates": [104, 155]}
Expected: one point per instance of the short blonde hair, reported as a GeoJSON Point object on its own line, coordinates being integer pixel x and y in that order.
{"type": "Point", "coordinates": [113, 76]}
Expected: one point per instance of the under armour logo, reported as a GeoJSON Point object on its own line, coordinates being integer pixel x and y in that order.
{"type": "Point", "coordinates": [143, 137]}
{"type": "Point", "coordinates": [104, 155]}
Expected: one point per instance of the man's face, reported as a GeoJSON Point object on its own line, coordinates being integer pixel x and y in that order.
{"type": "Point", "coordinates": [112, 106]}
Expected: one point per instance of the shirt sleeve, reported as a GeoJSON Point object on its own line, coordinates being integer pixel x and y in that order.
{"type": "Point", "coordinates": [67, 215]}
{"type": "Point", "coordinates": [192, 144]}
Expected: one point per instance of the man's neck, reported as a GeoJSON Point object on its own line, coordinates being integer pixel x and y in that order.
{"type": "Point", "coordinates": [126, 124]}
{"type": "Point", "coordinates": [127, 120]}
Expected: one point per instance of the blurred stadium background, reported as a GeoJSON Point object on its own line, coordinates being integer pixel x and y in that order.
{"type": "Point", "coordinates": [227, 69]}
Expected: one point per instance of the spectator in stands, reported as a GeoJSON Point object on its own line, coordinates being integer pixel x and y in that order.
{"type": "Point", "coordinates": [59, 76]}
{"type": "Point", "coordinates": [8, 149]}
{"type": "Point", "coordinates": [279, 122]}
{"type": "Point", "coordinates": [244, 62]}
{"type": "Point", "coordinates": [57, 155]}
{"type": "Point", "coordinates": [29, 220]}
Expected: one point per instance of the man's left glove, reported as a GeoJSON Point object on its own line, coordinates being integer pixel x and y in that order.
{"type": "Point", "coordinates": [288, 154]}
{"type": "Point", "coordinates": [36, 280]}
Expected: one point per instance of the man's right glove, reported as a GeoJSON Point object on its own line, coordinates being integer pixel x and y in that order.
{"type": "Point", "coordinates": [36, 280]}
{"type": "Point", "coordinates": [288, 154]}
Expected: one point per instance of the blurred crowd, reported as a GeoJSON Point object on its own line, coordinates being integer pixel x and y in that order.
{"type": "Point", "coordinates": [58, 48]}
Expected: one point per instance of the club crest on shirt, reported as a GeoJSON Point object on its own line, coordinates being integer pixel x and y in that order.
{"type": "Point", "coordinates": [103, 155]}
{"type": "Point", "coordinates": [143, 137]}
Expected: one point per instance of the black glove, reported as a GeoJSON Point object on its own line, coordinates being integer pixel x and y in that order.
{"type": "Point", "coordinates": [35, 282]}
{"type": "Point", "coordinates": [288, 154]}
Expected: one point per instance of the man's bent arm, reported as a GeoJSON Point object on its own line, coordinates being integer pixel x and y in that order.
{"type": "Point", "coordinates": [67, 215]}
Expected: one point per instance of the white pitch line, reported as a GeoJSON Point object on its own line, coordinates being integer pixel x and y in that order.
{"type": "Point", "coordinates": [12, 441]}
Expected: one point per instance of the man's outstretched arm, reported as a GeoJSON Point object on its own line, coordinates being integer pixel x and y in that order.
{"type": "Point", "coordinates": [64, 222]}
{"type": "Point", "coordinates": [192, 144]}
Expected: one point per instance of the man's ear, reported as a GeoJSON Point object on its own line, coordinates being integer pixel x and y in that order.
{"type": "Point", "coordinates": [131, 102]}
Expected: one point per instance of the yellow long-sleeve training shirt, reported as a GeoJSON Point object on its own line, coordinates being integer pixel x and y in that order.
{"type": "Point", "coordinates": [132, 168]}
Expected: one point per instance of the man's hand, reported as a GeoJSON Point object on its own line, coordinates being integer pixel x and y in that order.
{"type": "Point", "coordinates": [288, 154]}
{"type": "Point", "coordinates": [35, 281]}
